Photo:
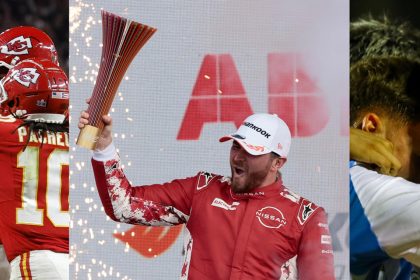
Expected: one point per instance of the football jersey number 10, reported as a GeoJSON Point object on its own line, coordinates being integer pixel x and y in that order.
{"type": "Point", "coordinates": [29, 213]}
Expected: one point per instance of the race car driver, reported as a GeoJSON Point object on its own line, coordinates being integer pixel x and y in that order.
{"type": "Point", "coordinates": [247, 226]}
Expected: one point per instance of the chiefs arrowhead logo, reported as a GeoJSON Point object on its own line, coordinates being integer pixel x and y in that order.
{"type": "Point", "coordinates": [25, 76]}
{"type": "Point", "coordinates": [17, 46]}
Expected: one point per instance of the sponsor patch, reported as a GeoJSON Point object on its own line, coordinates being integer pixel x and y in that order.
{"type": "Point", "coordinates": [225, 179]}
{"type": "Point", "coordinates": [218, 202]}
{"type": "Point", "coordinates": [252, 194]}
{"type": "Point", "coordinates": [41, 103]}
{"type": "Point", "coordinates": [204, 180]}
{"type": "Point", "coordinates": [270, 217]}
{"type": "Point", "coordinates": [254, 147]}
{"type": "Point", "coordinates": [305, 211]}
{"type": "Point", "coordinates": [325, 239]}
{"type": "Point", "coordinates": [290, 195]}
{"type": "Point", "coordinates": [60, 95]}
{"type": "Point", "coordinates": [257, 129]}
{"type": "Point", "coordinates": [326, 251]}
{"type": "Point", "coordinates": [322, 225]}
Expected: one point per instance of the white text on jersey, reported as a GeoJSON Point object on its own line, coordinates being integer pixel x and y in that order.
{"type": "Point", "coordinates": [52, 138]}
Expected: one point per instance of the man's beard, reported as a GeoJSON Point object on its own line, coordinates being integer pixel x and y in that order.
{"type": "Point", "coordinates": [248, 181]}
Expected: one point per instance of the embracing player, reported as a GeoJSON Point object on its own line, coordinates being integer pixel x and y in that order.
{"type": "Point", "coordinates": [34, 159]}
{"type": "Point", "coordinates": [17, 44]}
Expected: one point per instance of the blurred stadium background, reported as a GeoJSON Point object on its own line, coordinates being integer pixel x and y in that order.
{"type": "Point", "coordinates": [48, 15]}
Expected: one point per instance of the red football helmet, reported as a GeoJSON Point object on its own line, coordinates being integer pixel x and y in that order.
{"type": "Point", "coordinates": [35, 87]}
{"type": "Point", "coordinates": [25, 42]}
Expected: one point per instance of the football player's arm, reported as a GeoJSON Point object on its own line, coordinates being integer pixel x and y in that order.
{"type": "Point", "coordinates": [367, 148]}
{"type": "Point", "coordinates": [392, 207]}
{"type": "Point", "coordinates": [399, 231]}
{"type": "Point", "coordinates": [315, 259]}
{"type": "Point", "coordinates": [166, 204]}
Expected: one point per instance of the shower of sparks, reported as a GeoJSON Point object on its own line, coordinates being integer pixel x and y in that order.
{"type": "Point", "coordinates": [85, 20]}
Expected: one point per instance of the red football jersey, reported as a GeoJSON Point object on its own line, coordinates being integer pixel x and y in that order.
{"type": "Point", "coordinates": [34, 190]}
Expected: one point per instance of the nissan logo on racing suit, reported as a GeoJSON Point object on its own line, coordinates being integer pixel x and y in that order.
{"type": "Point", "coordinates": [270, 217]}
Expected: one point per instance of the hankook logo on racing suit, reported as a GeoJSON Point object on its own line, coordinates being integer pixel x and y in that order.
{"type": "Point", "coordinates": [25, 76]}
{"type": "Point", "coordinates": [270, 217]}
{"type": "Point", "coordinates": [17, 46]}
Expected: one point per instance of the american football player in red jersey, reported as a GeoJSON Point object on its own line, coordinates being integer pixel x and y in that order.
{"type": "Point", "coordinates": [34, 159]}
{"type": "Point", "coordinates": [17, 44]}
{"type": "Point", "coordinates": [24, 42]}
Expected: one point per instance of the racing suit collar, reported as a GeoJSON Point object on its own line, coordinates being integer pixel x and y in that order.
{"type": "Point", "coordinates": [260, 192]}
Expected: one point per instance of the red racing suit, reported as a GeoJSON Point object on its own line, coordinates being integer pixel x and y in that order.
{"type": "Point", "coordinates": [230, 236]}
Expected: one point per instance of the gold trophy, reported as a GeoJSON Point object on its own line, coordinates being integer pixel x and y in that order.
{"type": "Point", "coordinates": [122, 39]}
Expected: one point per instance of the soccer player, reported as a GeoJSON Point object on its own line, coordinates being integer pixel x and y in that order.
{"type": "Point", "coordinates": [380, 37]}
{"type": "Point", "coordinates": [384, 210]}
{"type": "Point", "coordinates": [34, 159]}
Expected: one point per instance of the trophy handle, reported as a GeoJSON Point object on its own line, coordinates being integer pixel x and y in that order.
{"type": "Point", "coordinates": [88, 137]}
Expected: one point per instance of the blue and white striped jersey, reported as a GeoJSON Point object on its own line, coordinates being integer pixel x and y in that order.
{"type": "Point", "coordinates": [384, 224]}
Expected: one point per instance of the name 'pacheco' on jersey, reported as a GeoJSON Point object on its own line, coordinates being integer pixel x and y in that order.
{"type": "Point", "coordinates": [34, 143]}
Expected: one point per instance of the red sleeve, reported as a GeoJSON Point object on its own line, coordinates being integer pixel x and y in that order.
{"type": "Point", "coordinates": [315, 259]}
{"type": "Point", "coordinates": [166, 204]}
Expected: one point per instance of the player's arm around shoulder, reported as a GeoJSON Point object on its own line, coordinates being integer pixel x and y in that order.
{"type": "Point", "coordinates": [392, 206]}
{"type": "Point", "coordinates": [315, 259]}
